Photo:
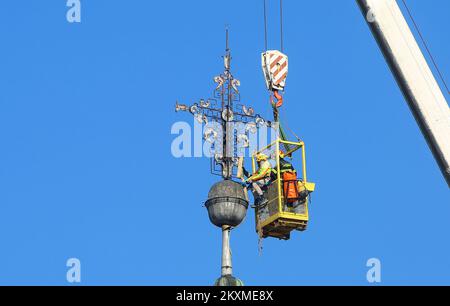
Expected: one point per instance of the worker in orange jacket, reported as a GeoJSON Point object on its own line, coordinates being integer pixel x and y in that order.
{"type": "Point", "coordinates": [289, 176]}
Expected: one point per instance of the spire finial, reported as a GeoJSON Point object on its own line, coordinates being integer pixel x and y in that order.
{"type": "Point", "coordinates": [226, 39]}
{"type": "Point", "coordinates": [227, 58]}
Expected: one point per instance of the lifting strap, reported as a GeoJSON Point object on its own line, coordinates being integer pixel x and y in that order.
{"type": "Point", "coordinates": [281, 131]}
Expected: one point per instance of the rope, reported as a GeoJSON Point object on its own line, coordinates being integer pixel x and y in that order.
{"type": "Point", "coordinates": [260, 235]}
{"type": "Point", "coordinates": [292, 132]}
{"type": "Point", "coordinates": [426, 46]}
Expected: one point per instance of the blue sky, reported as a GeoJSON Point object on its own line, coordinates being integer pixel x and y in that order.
{"type": "Point", "coordinates": [86, 169]}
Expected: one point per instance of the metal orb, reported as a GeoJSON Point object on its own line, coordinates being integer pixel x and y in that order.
{"type": "Point", "coordinates": [227, 204]}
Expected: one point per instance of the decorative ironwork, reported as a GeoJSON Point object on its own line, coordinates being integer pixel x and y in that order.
{"type": "Point", "coordinates": [225, 109]}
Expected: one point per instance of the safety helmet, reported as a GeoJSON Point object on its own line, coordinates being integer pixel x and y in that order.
{"type": "Point", "coordinates": [261, 157]}
{"type": "Point", "coordinates": [282, 155]}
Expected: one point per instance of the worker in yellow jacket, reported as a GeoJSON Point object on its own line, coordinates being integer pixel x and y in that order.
{"type": "Point", "coordinates": [260, 178]}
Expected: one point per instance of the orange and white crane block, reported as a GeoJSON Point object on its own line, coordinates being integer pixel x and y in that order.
{"type": "Point", "coordinates": [275, 68]}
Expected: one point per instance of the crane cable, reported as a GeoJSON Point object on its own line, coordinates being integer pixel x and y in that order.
{"type": "Point", "coordinates": [265, 26]}
{"type": "Point", "coordinates": [281, 26]}
{"type": "Point", "coordinates": [426, 46]}
{"type": "Point", "coordinates": [276, 105]}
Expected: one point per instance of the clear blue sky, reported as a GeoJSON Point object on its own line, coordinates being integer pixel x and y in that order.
{"type": "Point", "coordinates": [86, 169]}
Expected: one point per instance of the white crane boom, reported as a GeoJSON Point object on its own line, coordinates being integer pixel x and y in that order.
{"type": "Point", "coordinates": [413, 75]}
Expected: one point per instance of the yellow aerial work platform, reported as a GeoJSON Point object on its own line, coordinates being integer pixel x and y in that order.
{"type": "Point", "coordinates": [279, 217]}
